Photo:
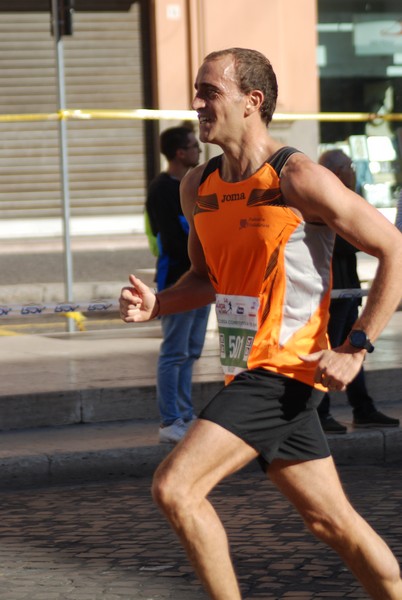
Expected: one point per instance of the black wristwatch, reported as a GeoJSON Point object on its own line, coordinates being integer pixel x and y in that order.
{"type": "Point", "coordinates": [359, 339]}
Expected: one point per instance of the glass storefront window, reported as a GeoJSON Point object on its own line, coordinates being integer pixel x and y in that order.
{"type": "Point", "coordinates": [360, 64]}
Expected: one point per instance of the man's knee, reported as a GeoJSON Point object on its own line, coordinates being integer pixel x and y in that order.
{"type": "Point", "coordinates": [160, 488]}
{"type": "Point", "coordinates": [333, 529]}
{"type": "Point", "coordinates": [168, 491]}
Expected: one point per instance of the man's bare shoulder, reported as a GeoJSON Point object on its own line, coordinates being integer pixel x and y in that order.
{"type": "Point", "coordinates": [307, 185]}
{"type": "Point", "coordinates": [189, 186]}
{"type": "Point", "coordinates": [299, 165]}
{"type": "Point", "coordinates": [193, 176]}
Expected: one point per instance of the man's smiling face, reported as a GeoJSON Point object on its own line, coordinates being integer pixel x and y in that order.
{"type": "Point", "coordinates": [218, 100]}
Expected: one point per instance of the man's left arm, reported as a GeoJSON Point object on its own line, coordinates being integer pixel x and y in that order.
{"type": "Point", "coordinates": [319, 196]}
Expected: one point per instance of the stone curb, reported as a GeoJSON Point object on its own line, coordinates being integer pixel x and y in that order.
{"type": "Point", "coordinates": [368, 447]}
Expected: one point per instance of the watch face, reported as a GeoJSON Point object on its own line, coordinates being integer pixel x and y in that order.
{"type": "Point", "coordinates": [358, 338]}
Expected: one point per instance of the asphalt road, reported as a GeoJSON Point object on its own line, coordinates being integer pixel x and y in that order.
{"type": "Point", "coordinates": [88, 265]}
{"type": "Point", "coordinates": [107, 541]}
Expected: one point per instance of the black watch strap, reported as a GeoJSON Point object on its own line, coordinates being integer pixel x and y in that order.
{"type": "Point", "coordinates": [358, 339]}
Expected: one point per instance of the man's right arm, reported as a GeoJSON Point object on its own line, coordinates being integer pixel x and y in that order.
{"type": "Point", "coordinates": [192, 290]}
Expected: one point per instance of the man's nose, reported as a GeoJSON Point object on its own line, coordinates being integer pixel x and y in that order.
{"type": "Point", "coordinates": [197, 103]}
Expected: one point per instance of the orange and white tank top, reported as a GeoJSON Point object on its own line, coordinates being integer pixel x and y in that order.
{"type": "Point", "coordinates": [270, 269]}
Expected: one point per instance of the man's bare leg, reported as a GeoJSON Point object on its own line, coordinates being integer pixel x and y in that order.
{"type": "Point", "coordinates": [315, 490]}
{"type": "Point", "coordinates": [181, 484]}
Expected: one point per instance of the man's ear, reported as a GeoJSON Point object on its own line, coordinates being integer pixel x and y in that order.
{"type": "Point", "coordinates": [254, 101]}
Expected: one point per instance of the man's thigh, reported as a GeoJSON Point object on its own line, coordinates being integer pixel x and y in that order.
{"type": "Point", "coordinates": [312, 486]}
{"type": "Point", "coordinates": [206, 455]}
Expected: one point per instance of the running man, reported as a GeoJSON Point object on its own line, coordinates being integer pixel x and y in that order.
{"type": "Point", "coordinates": [262, 221]}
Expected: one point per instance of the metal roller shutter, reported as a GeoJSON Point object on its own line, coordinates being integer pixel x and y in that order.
{"type": "Point", "coordinates": [103, 69]}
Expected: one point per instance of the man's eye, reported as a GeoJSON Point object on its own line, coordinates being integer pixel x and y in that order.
{"type": "Point", "coordinates": [210, 94]}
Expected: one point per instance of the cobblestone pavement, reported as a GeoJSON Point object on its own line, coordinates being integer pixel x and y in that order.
{"type": "Point", "coordinates": [107, 541]}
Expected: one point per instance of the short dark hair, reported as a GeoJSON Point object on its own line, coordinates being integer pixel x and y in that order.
{"type": "Point", "coordinates": [254, 72]}
{"type": "Point", "coordinates": [172, 139]}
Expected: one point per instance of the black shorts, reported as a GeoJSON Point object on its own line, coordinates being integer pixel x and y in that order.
{"type": "Point", "coordinates": [274, 414]}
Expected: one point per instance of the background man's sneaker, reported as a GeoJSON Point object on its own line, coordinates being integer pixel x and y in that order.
{"type": "Point", "coordinates": [375, 419]}
{"type": "Point", "coordinates": [171, 434]}
{"type": "Point", "coordinates": [330, 425]}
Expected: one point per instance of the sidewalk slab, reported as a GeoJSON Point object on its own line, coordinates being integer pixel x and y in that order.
{"type": "Point", "coordinates": [110, 375]}
{"type": "Point", "coordinates": [90, 377]}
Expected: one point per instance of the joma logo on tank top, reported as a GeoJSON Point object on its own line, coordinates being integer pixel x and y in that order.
{"type": "Point", "coordinates": [233, 197]}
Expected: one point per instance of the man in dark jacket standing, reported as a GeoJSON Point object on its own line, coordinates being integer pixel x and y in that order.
{"type": "Point", "coordinates": [344, 312]}
{"type": "Point", "coordinates": [183, 333]}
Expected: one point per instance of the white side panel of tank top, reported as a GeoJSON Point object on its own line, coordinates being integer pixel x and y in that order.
{"type": "Point", "coordinates": [307, 267]}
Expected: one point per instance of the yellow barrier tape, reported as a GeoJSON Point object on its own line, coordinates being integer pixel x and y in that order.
{"type": "Point", "coordinates": [141, 113]}
{"type": "Point", "coordinates": [34, 117]}
{"type": "Point", "coordinates": [191, 115]}
{"type": "Point", "coordinates": [336, 117]}
{"type": "Point", "coordinates": [187, 115]}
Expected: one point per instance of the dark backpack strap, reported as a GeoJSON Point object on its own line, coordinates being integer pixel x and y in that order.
{"type": "Point", "coordinates": [279, 158]}
{"type": "Point", "coordinates": [213, 164]}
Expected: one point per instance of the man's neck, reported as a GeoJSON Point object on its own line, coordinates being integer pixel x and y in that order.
{"type": "Point", "coordinates": [176, 171]}
{"type": "Point", "coordinates": [237, 166]}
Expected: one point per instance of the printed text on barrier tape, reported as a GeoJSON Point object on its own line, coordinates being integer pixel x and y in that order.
{"type": "Point", "coordinates": [102, 306]}
{"type": "Point", "coordinates": [24, 310]}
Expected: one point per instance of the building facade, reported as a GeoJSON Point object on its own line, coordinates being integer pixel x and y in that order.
{"type": "Point", "coordinates": [131, 54]}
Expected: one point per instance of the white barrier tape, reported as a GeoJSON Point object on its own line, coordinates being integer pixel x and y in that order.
{"type": "Point", "coordinates": [103, 306]}
{"type": "Point", "coordinates": [348, 293]}
{"type": "Point", "coordinates": [37, 310]}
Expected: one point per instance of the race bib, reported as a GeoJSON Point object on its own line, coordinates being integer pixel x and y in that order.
{"type": "Point", "coordinates": [237, 322]}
